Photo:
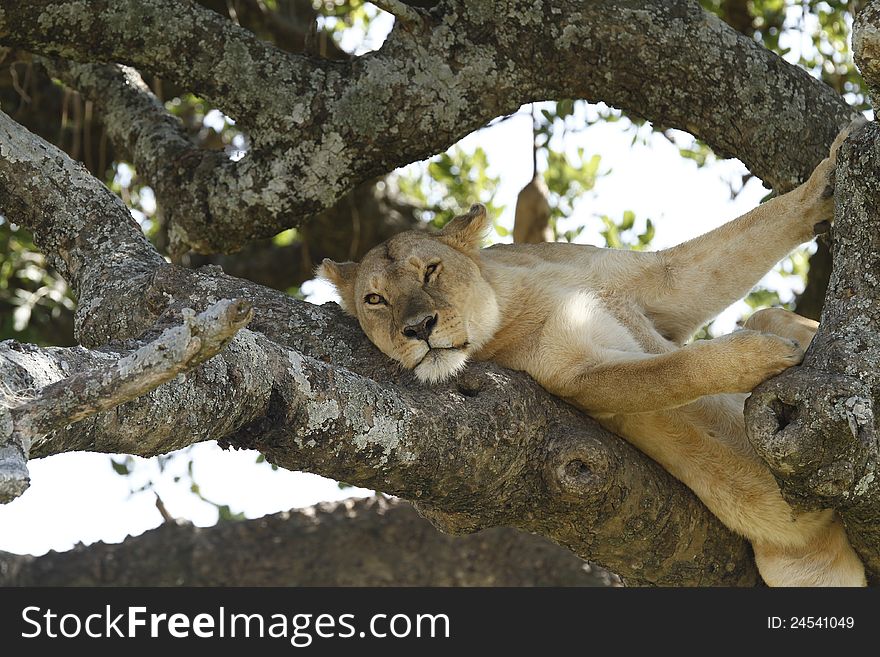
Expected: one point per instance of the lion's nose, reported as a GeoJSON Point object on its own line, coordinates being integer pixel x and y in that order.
{"type": "Point", "coordinates": [420, 328]}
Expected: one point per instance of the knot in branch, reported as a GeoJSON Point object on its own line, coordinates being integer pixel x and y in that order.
{"type": "Point", "coordinates": [816, 431]}
{"type": "Point", "coordinates": [577, 467]}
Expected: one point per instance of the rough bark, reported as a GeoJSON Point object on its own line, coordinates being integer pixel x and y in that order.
{"type": "Point", "coordinates": [319, 128]}
{"type": "Point", "coordinates": [372, 542]}
{"type": "Point", "coordinates": [815, 425]}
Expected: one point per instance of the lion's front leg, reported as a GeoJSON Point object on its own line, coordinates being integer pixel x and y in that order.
{"type": "Point", "coordinates": [606, 381]}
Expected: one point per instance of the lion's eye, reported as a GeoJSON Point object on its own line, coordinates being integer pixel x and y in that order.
{"type": "Point", "coordinates": [374, 299]}
{"type": "Point", "coordinates": [430, 269]}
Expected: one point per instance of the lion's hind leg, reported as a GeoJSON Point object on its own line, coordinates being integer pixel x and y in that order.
{"type": "Point", "coordinates": [826, 560]}
{"type": "Point", "coordinates": [783, 323]}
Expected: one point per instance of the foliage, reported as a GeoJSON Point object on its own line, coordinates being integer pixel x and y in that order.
{"type": "Point", "coordinates": [138, 470]}
{"type": "Point", "coordinates": [35, 303]}
{"type": "Point", "coordinates": [449, 183]}
{"type": "Point", "coordinates": [623, 235]}
{"type": "Point", "coordinates": [794, 266]}
{"type": "Point", "coordinates": [811, 33]}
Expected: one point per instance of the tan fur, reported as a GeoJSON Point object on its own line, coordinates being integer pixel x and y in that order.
{"type": "Point", "coordinates": [606, 330]}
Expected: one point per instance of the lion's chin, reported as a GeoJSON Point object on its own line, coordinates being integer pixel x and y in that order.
{"type": "Point", "coordinates": [440, 364]}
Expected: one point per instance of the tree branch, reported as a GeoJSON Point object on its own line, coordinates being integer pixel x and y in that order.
{"type": "Point", "coordinates": [815, 425]}
{"type": "Point", "coordinates": [492, 449]}
{"type": "Point", "coordinates": [370, 542]}
{"type": "Point", "coordinates": [666, 60]}
{"type": "Point", "coordinates": [93, 391]}
{"type": "Point", "coordinates": [193, 46]}
{"type": "Point", "coordinates": [84, 230]}
{"type": "Point", "coordinates": [179, 348]}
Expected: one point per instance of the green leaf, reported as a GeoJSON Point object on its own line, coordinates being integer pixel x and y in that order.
{"type": "Point", "coordinates": [120, 467]}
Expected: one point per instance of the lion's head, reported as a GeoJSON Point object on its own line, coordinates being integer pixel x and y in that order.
{"type": "Point", "coordinates": [421, 297]}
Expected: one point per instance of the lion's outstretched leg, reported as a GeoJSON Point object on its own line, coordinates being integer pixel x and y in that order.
{"type": "Point", "coordinates": [696, 280]}
{"type": "Point", "coordinates": [705, 275]}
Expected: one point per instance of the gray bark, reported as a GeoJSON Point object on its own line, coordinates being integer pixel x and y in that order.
{"type": "Point", "coordinates": [372, 542]}
{"type": "Point", "coordinates": [319, 127]}
{"type": "Point", "coordinates": [815, 425]}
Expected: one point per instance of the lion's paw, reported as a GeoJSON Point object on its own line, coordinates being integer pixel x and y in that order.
{"type": "Point", "coordinates": [756, 357]}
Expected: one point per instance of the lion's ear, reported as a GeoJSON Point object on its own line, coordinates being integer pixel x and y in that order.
{"type": "Point", "coordinates": [341, 275]}
{"type": "Point", "coordinates": [466, 231]}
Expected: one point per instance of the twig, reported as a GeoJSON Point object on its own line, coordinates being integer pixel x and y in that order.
{"type": "Point", "coordinates": [163, 511]}
{"type": "Point", "coordinates": [404, 13]}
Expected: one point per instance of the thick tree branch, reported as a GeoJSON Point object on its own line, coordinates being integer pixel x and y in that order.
{"type": "Point", "coordinates": [84, 230]}
{"type": "Point", "coordinates": [815, 425]}
{"type": "Point", "coordinates": [183, 42]}
{"type": "Point", "coordinates": [333, 125]}
{"type": "Point", "coordinates": [101, 389]}
{"type": "Point", "coordinates": [370, 542]}
{"type": "Point", "coordinates": [493, 449]}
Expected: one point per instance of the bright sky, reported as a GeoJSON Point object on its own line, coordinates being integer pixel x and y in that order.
{"type": "Point", "coordinates": [79, 498]}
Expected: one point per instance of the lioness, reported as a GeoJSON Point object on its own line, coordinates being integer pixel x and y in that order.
{"type": "Point", "coordinates": [606, 330]}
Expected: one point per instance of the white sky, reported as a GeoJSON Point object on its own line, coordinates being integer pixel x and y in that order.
{"type": "Point", "coordinates": [79, 498]}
